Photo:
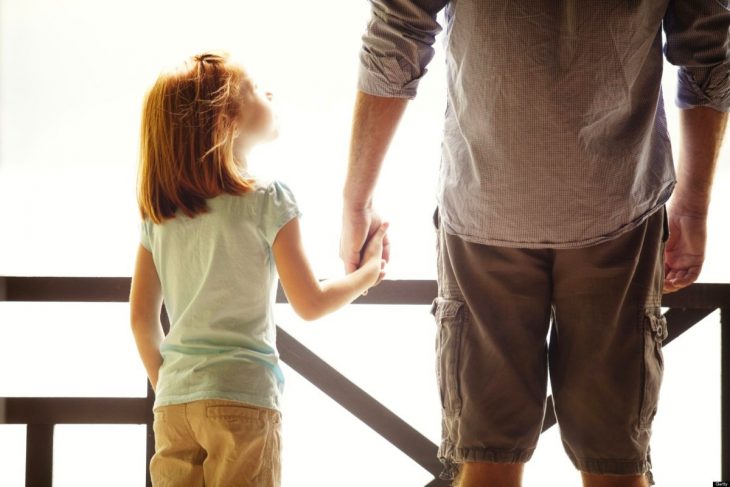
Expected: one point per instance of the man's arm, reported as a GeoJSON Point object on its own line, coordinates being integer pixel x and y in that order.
{"type": "Point", "coordinates": [375, 121]}
{"type": "Point", "coordinates": [702, 131]}
{"type": "Point", "coordinates": [698, 43]}
{"type": "Point", "coordinates": [397, 46]}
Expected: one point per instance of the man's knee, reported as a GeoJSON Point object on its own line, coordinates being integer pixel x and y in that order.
{"type": "Point", "coordinates": [595, 480]}
{"type": "Point", "coordinates": [474, 474]}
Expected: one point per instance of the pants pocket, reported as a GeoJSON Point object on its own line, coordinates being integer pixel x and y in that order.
{"type": "Point", "coordinates": [655, 331]}
{"type": "Point", "coordinates": [158, 427]}
{"type": "Point", "coordinates": [243, 445]}
{"type": "Point", "coordinates": [449, 315]}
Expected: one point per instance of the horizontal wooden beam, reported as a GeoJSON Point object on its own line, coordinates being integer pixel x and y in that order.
{"type": "Point", "coordinates": [699, 296]}
{"type": "Point", "coordinates": [79, 289]}
{"type": "Point", "coordinates": [411, 291]}
{"type": "Point", "coordinates": [76, 410]}
{"type": "Point", "coordinates": [116, 289]}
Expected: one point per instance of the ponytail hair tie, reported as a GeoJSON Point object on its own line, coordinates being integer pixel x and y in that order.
{"type": "Point", "coordinates": [208, 57]}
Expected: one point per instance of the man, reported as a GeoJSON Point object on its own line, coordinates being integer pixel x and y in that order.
{"type": "Point", "coordinates": [556, 167]}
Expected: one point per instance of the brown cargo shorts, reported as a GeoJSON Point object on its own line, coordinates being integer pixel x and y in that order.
{"type": "Point", "coordinates": [493, 313]}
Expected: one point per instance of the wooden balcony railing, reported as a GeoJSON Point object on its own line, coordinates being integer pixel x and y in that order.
{"type": "Point", "coordinates": [40, 414]}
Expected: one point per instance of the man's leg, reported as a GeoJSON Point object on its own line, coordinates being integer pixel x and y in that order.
{"type": "Point", "coordinates": [492, 316]}
{"type": "Point", "coordinates": [606, 359]}
{"type": "Point", "coordinates": [481, 474]}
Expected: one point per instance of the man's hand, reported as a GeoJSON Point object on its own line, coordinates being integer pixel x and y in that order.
{"type": "Point", "coordinates": [701, 131]}
{"type": "Point", "coordinates": [685, 250]}
{"type": "Point", "coordinates": [358, 225]}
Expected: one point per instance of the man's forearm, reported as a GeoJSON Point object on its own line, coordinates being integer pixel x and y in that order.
{"type": "Point", "coordinates": [375, 120]}
{"type": "Point", "coordinates": [701, 131]}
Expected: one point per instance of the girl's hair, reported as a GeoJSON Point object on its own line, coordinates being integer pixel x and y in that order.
{"type": "Point", "coordinates": [188, 129]}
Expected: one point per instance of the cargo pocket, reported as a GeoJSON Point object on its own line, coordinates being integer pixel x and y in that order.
{"type": "Point", "coordinates": [449, 314]}
{"type": "Point", "coordinates": [655, 331]}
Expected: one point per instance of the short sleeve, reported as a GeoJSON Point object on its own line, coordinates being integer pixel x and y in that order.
{"type": "Point", "coordinates": [278, 207]}
{"type": "Point", "coordinates": [144, 238]}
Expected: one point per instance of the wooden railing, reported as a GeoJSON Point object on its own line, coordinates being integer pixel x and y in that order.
{"type": "Point", "coordinates": [40, 414]}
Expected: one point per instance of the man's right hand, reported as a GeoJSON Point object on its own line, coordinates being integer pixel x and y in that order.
{"type": "Point", "coordinates": [358, 225]}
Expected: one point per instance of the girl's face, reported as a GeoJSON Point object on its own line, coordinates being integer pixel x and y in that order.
{"type": "Point", "coordinates": [258, 123]}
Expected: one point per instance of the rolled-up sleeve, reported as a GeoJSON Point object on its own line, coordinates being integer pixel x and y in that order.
{"type": "Point", "coordinates": [698, 42]}
{"type": "Point", "coordinates": [397, 46]}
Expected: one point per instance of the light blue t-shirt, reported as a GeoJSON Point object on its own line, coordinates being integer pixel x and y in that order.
{"type": "Point", "coordinates": [218, 281]}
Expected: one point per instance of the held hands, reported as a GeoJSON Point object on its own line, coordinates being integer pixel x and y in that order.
{"type": "Point", "coordinates": [372, 254]}
{"type": "Point", "coordinates": [358, 231]}
{"type": "Point", "coordinates": [685, 250]}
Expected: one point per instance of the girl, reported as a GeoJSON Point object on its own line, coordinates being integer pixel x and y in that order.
{"type": "Point", "coordinates": [212, 241]}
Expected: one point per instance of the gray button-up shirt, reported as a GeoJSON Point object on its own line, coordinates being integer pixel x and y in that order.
{"type": "Point", "coordinates": [555, 132]}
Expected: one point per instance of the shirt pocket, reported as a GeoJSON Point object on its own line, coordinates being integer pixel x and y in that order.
{"type": "Point", "coordinates": [655, 332]}
{"type": "Point", "coordinates": [450, 322]}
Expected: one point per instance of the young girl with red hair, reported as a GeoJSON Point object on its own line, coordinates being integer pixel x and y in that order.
{"type": "Point", "coordinates": [213, 239]}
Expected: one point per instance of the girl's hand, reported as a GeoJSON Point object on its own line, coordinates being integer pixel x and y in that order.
{"type": "Point", "coordinates": [372, 254]}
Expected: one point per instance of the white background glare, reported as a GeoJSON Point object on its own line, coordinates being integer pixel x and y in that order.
{"type": "Point", "coordinates": [73, 75]}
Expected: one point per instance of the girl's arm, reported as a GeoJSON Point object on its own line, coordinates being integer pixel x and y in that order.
{"type": "Point", "coordinates": [145, 305]}
{"type": "Point", "coordinates": [310, 298]}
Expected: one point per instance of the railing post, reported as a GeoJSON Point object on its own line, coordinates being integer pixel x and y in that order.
{"type": "Point", "coordinates": [39, 455]}
{"type": "Point", "coordinates": [150, 448]}
{"type": "Point", "coordinates": [725, 392]}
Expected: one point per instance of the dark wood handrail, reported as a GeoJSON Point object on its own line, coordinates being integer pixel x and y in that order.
{"type": "Point", "coordinates": [116, 289]}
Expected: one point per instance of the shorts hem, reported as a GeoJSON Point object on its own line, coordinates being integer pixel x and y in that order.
{"type": "Point", "coordinates": [451, 457]}
{"type": "Point", "coordinates": [611, 466]}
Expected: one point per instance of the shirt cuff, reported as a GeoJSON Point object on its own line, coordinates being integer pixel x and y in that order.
{"type": "Point", "coordinates": [704, 87]}
{"type": "Point", "coordinates": [383, 76]}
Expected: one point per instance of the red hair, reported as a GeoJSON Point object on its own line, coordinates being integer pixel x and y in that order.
{"type": "Point", "coordinates": [189, 120]}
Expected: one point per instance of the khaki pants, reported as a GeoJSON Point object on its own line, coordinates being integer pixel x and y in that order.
{"type": "Point", "coordinates": [216, 443]}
